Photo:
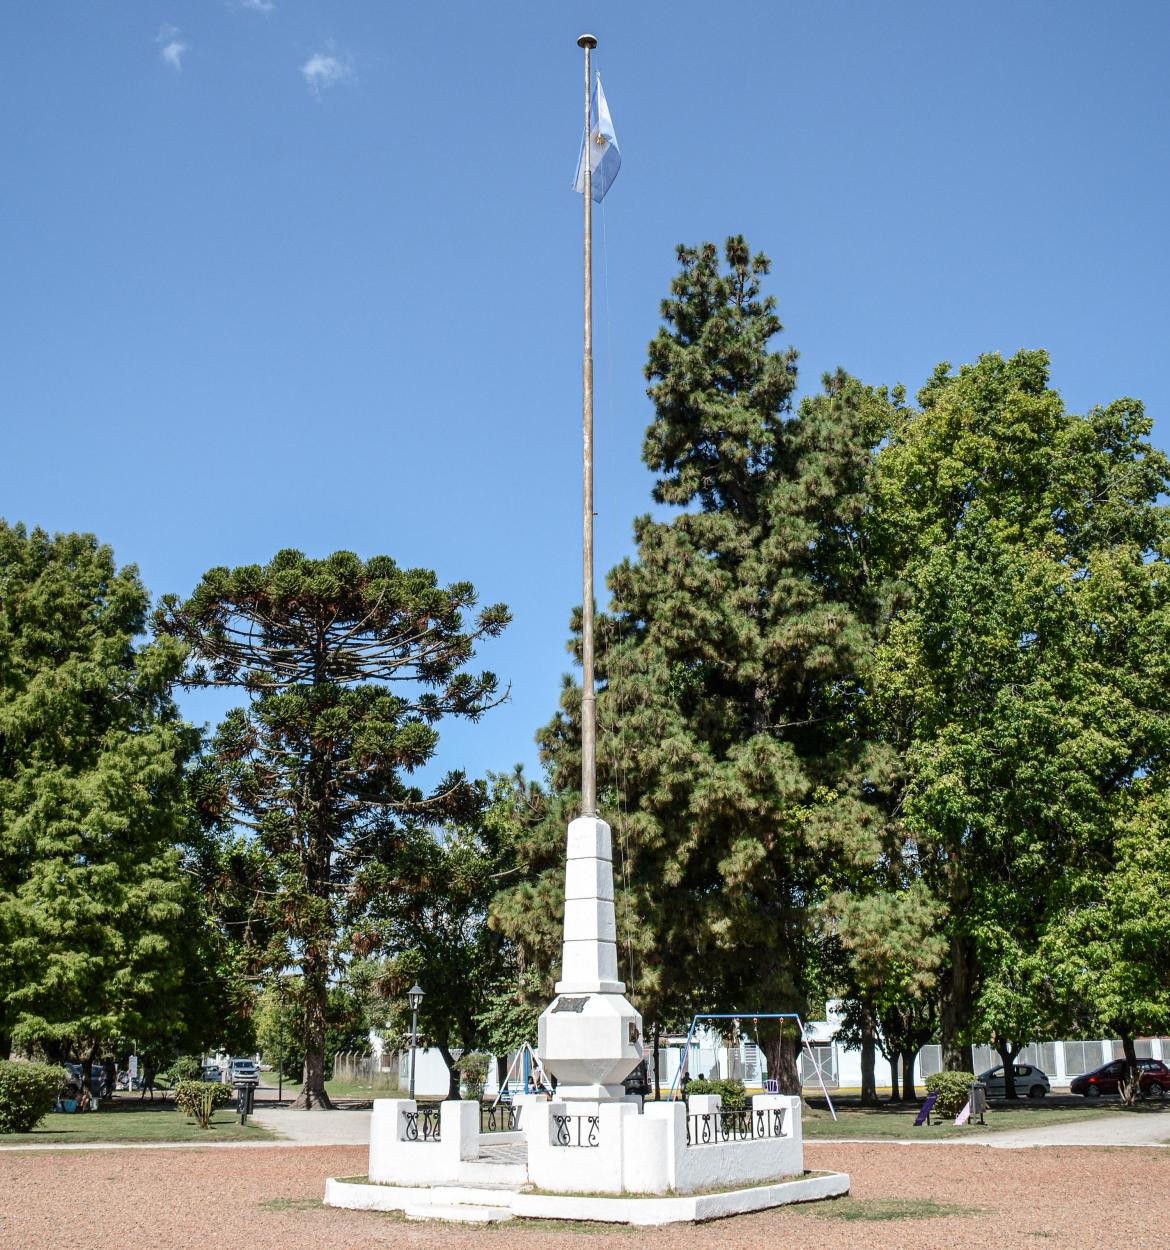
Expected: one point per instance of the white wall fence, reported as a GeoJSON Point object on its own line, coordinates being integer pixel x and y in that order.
{"type": "Point", "coordinates": [839, 1068]}
{"type": "Point", "coordinates": [364, 1068]}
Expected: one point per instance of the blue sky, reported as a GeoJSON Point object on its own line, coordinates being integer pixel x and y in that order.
{"type": "Point", "coordinates": [307, 274]}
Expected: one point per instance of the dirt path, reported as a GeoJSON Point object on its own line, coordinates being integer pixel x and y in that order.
{"type": "Point", "coordinates": [1075, 1199]}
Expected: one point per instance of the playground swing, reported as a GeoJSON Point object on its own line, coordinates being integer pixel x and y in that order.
{"type": "Point", "coordinates": [533, 1073]}
{"type": "Point", "coordinates": [737, 1016]}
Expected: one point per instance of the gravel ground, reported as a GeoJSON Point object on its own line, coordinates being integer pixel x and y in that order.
{"type": "Point", "coordinates": [1074, 1199]}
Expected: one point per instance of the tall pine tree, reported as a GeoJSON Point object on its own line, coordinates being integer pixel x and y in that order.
{"type": "Point", "coordinates": [350, 665]}
{"type": "Point", "coordinates": [730, 663]}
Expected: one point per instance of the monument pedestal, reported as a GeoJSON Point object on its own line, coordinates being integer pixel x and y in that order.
{"type": "Point", "coordinates": [591, 1152]}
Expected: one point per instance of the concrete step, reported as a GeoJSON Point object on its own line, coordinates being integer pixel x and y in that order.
{"type": "Point", "coordinates": [456, 1213]}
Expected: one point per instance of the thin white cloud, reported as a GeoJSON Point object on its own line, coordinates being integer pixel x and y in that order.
{"type": "Point", "coordinates": [171, 47]}
{"type": "Point", "coordinates": [326, 69]}
{"type": "Point", "coordinates": [258, 6]}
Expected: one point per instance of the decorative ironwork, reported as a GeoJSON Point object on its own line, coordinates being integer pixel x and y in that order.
{"type": "Point", "coordinates": [710, 1128]}
{"type": "Point", "coordinates": [576, 1130]}
{"type": "Point", "coordinates": [421, 1125]}
{"type": "Point", "coordinates": [501, 1118]}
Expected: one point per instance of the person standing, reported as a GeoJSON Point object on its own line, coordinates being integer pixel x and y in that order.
{"type": "Point", "coordinates": [147, 1080]}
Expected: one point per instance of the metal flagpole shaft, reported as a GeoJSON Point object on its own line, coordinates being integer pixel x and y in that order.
{"type": "Point", "coordinates": [588, 699]}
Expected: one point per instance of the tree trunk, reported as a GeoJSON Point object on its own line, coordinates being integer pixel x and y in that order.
{"type": "Point", "coordinates": [955, 1013]}
{"type": "Point", "coordinates": [1007, 1054]}
{"type": "Point", "coordinates": [781, 1053]}
{"type": "Point", "coordinates": [314, 988]}
{"type": "Point", "coordinates": [5, 1046]}
{"type": "Point", "coordinates": [909, 1094]}
{"type": "Point", "coordinates": [869, 1096]}
{"type": "Point", "coordinates": [1129, 1087]}
{"type": "Point", "coordinates": [87, 1067]}
{"type": "Point", "coordinates": [894, 1076]}
{"type": "Point", "coordinates": [452, 1070]}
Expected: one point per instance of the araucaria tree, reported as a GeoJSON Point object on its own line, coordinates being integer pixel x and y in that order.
{"type": "Point", "coordinates": [349, 666]}
{"type": "Point", "coordinates": [97, 923]}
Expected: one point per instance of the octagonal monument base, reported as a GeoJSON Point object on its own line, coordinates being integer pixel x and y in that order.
{"type": "Point", "coordinates": [611, 1161]}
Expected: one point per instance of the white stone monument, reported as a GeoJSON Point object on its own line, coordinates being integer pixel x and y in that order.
{"type": "Point", "coordinates": [591, 1152]}
{"type": "Point", "coordinates": [590, 1036]}
{"type": "Point", "coordinates": [558, 1158]}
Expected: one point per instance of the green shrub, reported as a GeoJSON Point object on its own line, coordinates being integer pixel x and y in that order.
{"type": "Point", "coordinates": [473, 1069]}
{"type": "Point", "coordinates": [185, 1068]}
{"type": "Point", "coordinates": [954, 1088]}
{"type": "Point", "coordinates": [27, 1094]}
{"type": "Point", "coordinates": [732, 1092]}
{"type": "Point", "coordinates": [199, 1099]}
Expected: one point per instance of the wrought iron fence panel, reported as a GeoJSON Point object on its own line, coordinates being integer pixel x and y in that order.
{"type": "Point", "coordinates": [710, 1128]}
{"type": "Point", "coordinates": [422, 1125]}
{"type": "Point", "coordinates": [502, 1118]}
{"type": "Point", "coordinates": [576, 1130]}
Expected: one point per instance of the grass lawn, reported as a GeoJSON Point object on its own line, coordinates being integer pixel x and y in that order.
{"type": "Point", "coordinates": [128, 1120]}
{"type": "Point", "coordinates": [897, 1121]}
{"type": "Point", "coordinates": [343, 1089]}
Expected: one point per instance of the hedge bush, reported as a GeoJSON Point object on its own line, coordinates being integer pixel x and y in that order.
{"type": "Point", "coordinates": [954, 1088]}
{"type": "Point", "coordinates": [733, 1094]}
{"type": "Point", "coordinates": [27, 1094]}
{"type": "Point", "coordinates": [185, 1068]}
{"type": "Point", "coordinates": [473, 1069]}
{"type": "Point", "coordinates": [199, 1099]}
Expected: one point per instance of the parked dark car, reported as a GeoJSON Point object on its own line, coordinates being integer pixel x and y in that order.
{"type": "Point", "coordinates": [1154, 1081]}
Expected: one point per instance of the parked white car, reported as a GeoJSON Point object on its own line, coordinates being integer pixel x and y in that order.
{"type": "Point", "coordinates": [244, 1072]}
{"type": "Point", "coordinates": [1030, 1081]}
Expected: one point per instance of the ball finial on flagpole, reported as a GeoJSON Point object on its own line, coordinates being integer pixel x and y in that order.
{"type": "Point", "coordinates": [587, 41]}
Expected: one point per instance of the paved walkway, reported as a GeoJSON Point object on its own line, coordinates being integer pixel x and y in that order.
{"type": "Point", "coordinates": [316, 1128]}
{"type": "Point", "coordinates": [1132, 1129]}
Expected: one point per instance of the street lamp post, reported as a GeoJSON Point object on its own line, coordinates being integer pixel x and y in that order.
{"type": "Point", "coordinates": [414, 997]}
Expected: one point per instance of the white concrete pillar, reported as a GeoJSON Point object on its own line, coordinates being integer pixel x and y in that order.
{"type": "Point", "coordinates": [589, 948]}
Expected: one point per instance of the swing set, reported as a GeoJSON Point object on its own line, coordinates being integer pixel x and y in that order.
{"type": "Point", "coordinates": [525, 1061]}
{"type": "Point", "coordinates": [755, 1017]}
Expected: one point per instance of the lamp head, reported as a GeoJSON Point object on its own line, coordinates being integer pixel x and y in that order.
{"type": "Point", "coordinates": [414, 996]}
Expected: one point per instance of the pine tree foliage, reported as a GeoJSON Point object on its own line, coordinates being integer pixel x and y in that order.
{"type": "Point", "coordinates": [730, 661]}
{"type": "Point", "coordinates": [349, 666]}
{"type": "Point", "coordinates": [101, 941]}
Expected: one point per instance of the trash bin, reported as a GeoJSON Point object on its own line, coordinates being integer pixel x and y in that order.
{"type": "Point", "coordinates": [245, 1097]}
{"type": "Point", "coordinates": [978, 1098]}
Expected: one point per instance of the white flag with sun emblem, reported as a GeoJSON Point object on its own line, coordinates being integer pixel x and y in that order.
{"type": "Point", "coordinates": [604, 158]}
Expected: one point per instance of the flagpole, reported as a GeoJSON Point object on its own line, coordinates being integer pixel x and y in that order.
{"type": "Point", "coordinates": [588, 698]}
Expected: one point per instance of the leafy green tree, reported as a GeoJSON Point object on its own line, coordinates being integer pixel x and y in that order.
{"type": "Point", "coordinates": [99, 930]}
{"type": "Point", "coordinates": [434, 930]}
{"type": "Point", "coordinates": [891, 955]}
{"type": "Point", "coordinates": [1110, 948]}
{"type": "Point", "coordinates": [349, 666]}
{"type": "Point", "coordinates": [731, 662]}
{"type": "Point", "coordinates": [1023, 671]}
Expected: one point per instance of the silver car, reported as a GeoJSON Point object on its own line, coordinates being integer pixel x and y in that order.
{"type": "Point", "coordinates": [1029, 1080]}
{"type": "Point", "coordinates": [244, 1072]}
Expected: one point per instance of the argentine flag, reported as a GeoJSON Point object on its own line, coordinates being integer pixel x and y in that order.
{"type": "Point", "coordinates": [604, 158]}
